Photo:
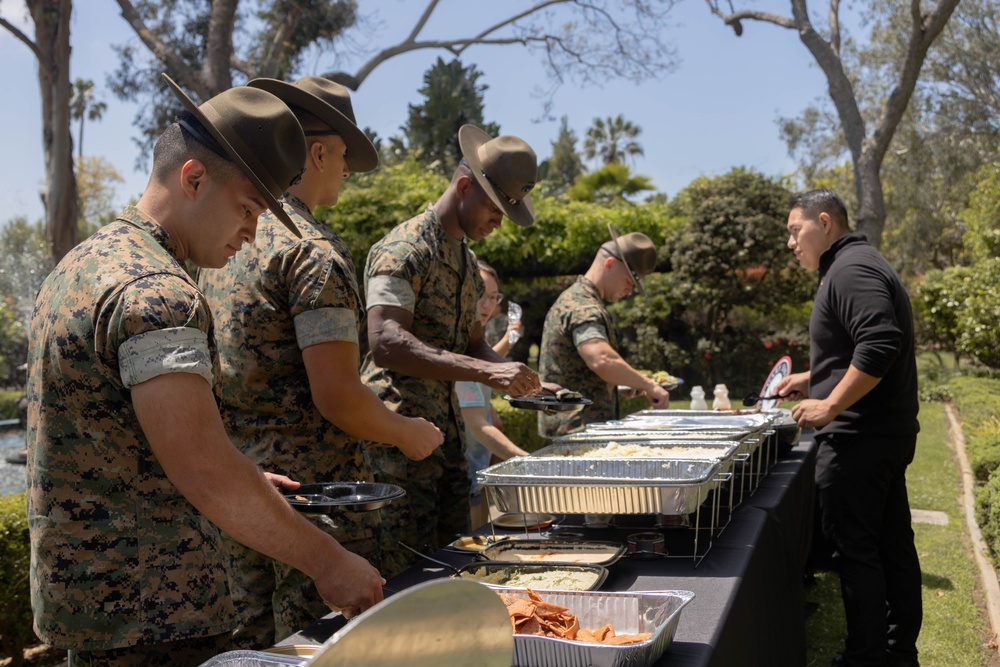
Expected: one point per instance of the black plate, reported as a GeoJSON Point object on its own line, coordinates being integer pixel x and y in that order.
{"type": "Point", "coordinates": [548, 403]}
{"type": "Point", "coordinates": [355, 496]}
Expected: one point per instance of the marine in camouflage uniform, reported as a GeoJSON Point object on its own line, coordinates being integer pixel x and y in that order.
{"type": "Point", "coordinates": [580, 341]}
{"type": "Point", "coordinates": [274, 298]}
{"type": "Point", "coordinates": [578, 315]}
{"type": "Point", "coordinates": [446, 283]}
{"type": "Point", "coordinates": [422, 285]}
{"type": "Point", "coordinates": [118, 556]}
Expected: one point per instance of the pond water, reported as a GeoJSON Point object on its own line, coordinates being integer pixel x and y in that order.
{"type": "Point", "coordinates": [12, 478]}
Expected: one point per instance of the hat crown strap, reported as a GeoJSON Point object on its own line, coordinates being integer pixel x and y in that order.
{"type": "Point", "coordinates": [496, 186]}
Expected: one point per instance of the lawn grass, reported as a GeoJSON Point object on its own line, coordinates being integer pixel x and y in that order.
{"type": "Point", "coordinates": [955, 630]}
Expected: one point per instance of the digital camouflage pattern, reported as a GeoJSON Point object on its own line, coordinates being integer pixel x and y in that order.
{"type": "Point", "coordinates": [436, 504]}
{"type": "Point", "coordinates": [272, 299]}
{"type": "Point", "coordinates": [560, 362]}
{"type": "Point", "coordinates": [118, 556]}
{"type": "Point", "coordinates": [167, 654]}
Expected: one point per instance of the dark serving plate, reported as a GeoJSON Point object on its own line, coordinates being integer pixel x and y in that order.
{"type": "Point", "coordinates": [548, 403]}
{"type": "Point", "coordinates": [354, 496]}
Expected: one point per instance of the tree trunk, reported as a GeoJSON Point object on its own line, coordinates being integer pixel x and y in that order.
{"type": "Point", "coordinates": [870, 216]}
{"type": "Point", "coordinates": [51, 18]}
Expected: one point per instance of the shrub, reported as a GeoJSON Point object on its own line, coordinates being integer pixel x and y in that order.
{"type": "Point", "coordinates": [15, 596]}
{"type": "Point", "coordinates": [977, 399]}
{"type": "Point", "coordinates": [9, 399]}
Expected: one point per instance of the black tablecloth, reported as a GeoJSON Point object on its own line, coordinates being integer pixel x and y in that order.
{"type": "Point", "coordinates": [748, 607]}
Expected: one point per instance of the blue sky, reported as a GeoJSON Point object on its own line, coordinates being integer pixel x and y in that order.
{"type": "Point", "coordinates": [717, 110]}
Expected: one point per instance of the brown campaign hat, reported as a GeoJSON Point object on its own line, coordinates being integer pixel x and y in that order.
{"type": "Point", "coordinates": [506, 167]}
{"type": "Point", "coordinates": [259, 134]}
{"type": "Point", "coordinates": [331, 103]}
{"type": "Point", "coordinates": [637, 252]}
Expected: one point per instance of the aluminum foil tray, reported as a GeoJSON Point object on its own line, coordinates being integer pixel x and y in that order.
{"type": "Point", "coordinates": [722, 451]}
{"type": "Point", "coordinates": [253, 659]}
{"type": "Point", "coordinates": [599, 486]}
{"type": "Point", "coordinates": [657, 612]}
{"type": "Point", "coordinates": [705, 418]}
{"type": "Point", "coordinates": [636, 435]}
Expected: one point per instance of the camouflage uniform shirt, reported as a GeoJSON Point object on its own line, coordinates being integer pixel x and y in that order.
{"type": "Point", "coordinates": [416, 266]}
{"type": "Point", "coordinates": [273, 299]}
{"type": "Point", "coordinates": [578, 315]}
{"type": "Point", "coordinates": [416, 252]}
{"type": "Point", "coordinates": [118, 556]}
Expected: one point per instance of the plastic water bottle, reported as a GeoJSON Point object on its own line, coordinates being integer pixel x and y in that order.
{"type": "Point", "coordinates": [721, 400]}
{"type": "Point", "coordinates": [698, 398]}
{"type": "Point", "coordinates": [513, 317]}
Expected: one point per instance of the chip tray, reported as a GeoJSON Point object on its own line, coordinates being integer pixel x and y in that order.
{"type": "Point", "coordinates": [599, 486]}
{"type": "Point", "coordinates": [657, 612]}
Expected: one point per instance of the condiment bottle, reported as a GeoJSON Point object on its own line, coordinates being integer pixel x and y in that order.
{"type": "Point", "coordinates": [721, 400]}
{"type": "Point", "coordinates": [698, 398]}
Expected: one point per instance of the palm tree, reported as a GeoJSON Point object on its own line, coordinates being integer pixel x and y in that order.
{"type": "Point", "coordinates": [612, 140]}
{"type": "Point", "coordinates": [82, 105]}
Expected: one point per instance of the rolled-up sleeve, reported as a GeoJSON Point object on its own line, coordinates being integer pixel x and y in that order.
{"type": "Point", "coordinates": [174, 350]}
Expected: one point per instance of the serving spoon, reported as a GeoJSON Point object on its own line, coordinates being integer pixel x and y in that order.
{"type": "Point", "coordinates": [426, 557]}
{"type": "Point", "coordinates": [753, 399]}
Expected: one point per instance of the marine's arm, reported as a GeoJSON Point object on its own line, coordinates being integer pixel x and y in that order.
{"type": "Point", "coordinates": [607, 364]}
{"type": "Point", "coordinates": [179, 417]}
{"type": "Point", "coordinates": [394, 346]}
{"type": "Point", "coordinates": [343, 399]}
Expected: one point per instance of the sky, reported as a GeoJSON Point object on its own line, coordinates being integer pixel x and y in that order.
{"type": "Point", "coordinates": [717, 110]}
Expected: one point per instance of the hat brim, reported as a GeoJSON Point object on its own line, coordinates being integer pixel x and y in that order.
{"type": "Point", "coordinates": [470, 138]}
{"type": "Point", "coordinates": [272, 202]}
{"type": "Point", "coordinates": [361, 153]}
{"type": "Point", "coordinates": [636, 278]}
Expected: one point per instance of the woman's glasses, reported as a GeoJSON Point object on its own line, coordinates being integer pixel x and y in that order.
{"type": "Point", "coordinates": [493, 298]}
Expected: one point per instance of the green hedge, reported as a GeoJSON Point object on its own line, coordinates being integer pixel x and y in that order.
{"type": "Point", "coordinates": [978, 401]}
{"type": "Point", "coordinates": [521, 426]}
{"type": "Point", "coordinates": [8, 403]}
{"type": "Point", "coordinates": [15, 598]}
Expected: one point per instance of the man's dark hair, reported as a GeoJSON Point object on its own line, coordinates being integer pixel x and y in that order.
{"type": "Point", "coordinates": [177, 145]}
{"type": "Point", "coordinates": [814, 202]}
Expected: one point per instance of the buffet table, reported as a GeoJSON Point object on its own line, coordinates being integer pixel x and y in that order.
{"type": "Point", "coordinates": [749, 605]}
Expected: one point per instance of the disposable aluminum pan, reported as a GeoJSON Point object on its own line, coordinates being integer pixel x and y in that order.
{"type": "Point", "coordinates": [599, 486]}
{"type": "Point", "coordinates": [628, 612]}
{"type": "Point", "coordinates": [635, 435]}
{"type": "Point", "coordinates": [561, 576]}
{"type": "Point", "coordinates": [705, 418]}
{"type": "Point", "coordinates": [253, 659]}
{"type": "Point", "coordinates": [722, 451]}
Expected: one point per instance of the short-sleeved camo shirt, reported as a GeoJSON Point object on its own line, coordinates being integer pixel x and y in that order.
{"type": "Point", "coordinates": [118, 556]}
{"type": "Point", "coordinates": [560, 362]}
{"type": "Point", "coordinates": [445, 312]}
{"type": "Point", "coordinates": [273, 299]}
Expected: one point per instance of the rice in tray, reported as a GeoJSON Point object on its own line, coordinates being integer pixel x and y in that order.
{"type": "Point", "coordinates": [614, 450]}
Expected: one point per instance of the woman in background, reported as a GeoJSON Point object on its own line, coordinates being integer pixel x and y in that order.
{"type": "Point", "coordinates": [484, 437]}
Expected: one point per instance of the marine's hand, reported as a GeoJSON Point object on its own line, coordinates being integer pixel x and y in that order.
{"type": "Point", "coordinates": [658, 397]}
{"type": "Point", "coordinates": [281, 482]}
{"type": "Point", "coordinates": [812, 413]}
{"type": "Point", "coordinates": [514, 378]}
{"type": "Point", "coordinates": [422, 439]}
{"type": "Point", "coordinates": [350, 584]}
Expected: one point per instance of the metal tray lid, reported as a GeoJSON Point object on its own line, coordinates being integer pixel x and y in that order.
{"type": "Point", "coordinates": [440, 622]}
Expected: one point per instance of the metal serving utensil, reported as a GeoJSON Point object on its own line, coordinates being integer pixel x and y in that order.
{"type": "Point", "coordinates": [426, 557]}
{"type": "Point", "coordinates": [754, 398]}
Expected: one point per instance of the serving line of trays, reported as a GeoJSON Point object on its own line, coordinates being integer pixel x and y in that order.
{"type": "Point", "coordinates": [692, 456]}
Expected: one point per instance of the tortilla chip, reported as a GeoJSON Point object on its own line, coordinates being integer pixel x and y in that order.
{"type": "Point", "coordinates": [628, 639]}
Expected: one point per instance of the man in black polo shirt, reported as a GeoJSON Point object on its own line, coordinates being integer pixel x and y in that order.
{"type": "Point", "coordinates": [862, 389]}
